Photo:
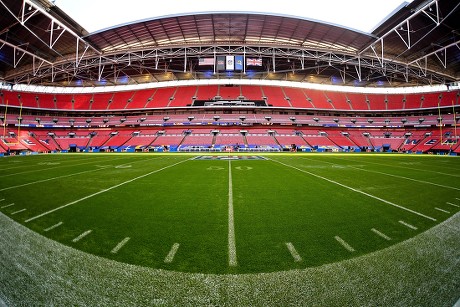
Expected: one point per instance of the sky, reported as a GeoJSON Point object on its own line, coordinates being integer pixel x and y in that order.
{"type": "Point", "coordinates": [361, 15]}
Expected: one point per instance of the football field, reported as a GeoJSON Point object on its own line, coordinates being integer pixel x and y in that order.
{"type": "Point", "coordinates": [229, 213]}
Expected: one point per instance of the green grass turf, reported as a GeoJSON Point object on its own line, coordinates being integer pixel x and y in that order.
{"type": "Point", "coordinates": [157, 200]}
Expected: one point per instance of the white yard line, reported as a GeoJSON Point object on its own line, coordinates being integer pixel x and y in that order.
{"type": "Point", "coordinates": [53, 227]}
{"type": "Point", "coordinates": [53, 178]}
{"type": "Point", "coordinates": [407, 167]}
{"type": "Point", "coordinates": [103, 191]}
{"type": "Point", "coordinates": [408, 178]}
{"type": "Point", "coordinates": [2, 199]}
{"type": "Point", "coordinates": [81, 236]}
{"type": "Point", "coordinates": [54, 167]}
{"type": "Point", "coordinates": [143, 160]}
{"type": "Point", "coordinates": [344, 244]}
{"type": "Point", "coordinates": [442, 210]}
{"type": "Point", "coordinates": [358, 191]}
{"type": "Point", "coordinates": [454, 205]}
{"type": "Point", "coordinates": [120, 245]}
{"type": "Point", "coordinates": [381, 234]}
{"type": "Point", "coordinates": [170, 257]}
{"type": "Point", "coordinates": [69, 175]}
{"type": "Point", "coordinates": [293, 252]}
{"type": "Point", "coordinates": [408, 225]}
{"type": "Point", "coordinates": [6, 206]}
{"type": "Point", "coordinates": [24, 165]}
{"type": "Point", "coordinates": [19, 211]}
{"type": "Point", "coordinates": [231, 223]}
{"type": "Point", "coordinates": [392, 175]}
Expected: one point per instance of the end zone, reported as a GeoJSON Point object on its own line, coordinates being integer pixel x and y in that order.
{"type": "Point", "coordinates": [229, 158]}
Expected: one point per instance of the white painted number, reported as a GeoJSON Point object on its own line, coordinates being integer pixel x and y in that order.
{"type": "Point", "coordinates": [215, 168]}
{"type": "Point", "coordinates": [243, 168]}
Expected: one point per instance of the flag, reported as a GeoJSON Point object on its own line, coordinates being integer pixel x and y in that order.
{"type": "Point", "coordinates": [230, 62]}
{"type": "Point", "coordinates": [221, 63]}
{"type": "Point", "coordinates": [205, 61]}
{"type": "Point", "coordinates": [238, 62]}
{"type": "Point", "coordinates": [254, 62]}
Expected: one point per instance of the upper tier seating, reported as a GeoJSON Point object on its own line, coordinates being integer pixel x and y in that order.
{"type": "Point", "coordinates": [252, 92]}
{"type": "Point", "coordinates": [162, 97]}
{"type": "Point", "coordinates": [183, 96]}
{"type": "Point", "coordinates": [297, 98]}
{"type": "Point", "coordinates": [140, 98]}
{"type": "Point", "coordinates": [318, 99]}
{"type": "Point", "coordinates": [275, 96]}
{"type": "Point", "coordinates": [395, 102]}
{"type": "Point", "coordinates": [229, 92]}
{"type": "Point", "coordinates": [377, 102]}
{"type": "Point", "coordinates": [338, 100]}
{"type": "Point", "coordinates": [358, 101]}
{"type": "Point", "coordinates": [120, 100]}
{"type": "Point", "coordinates": [207, 92]}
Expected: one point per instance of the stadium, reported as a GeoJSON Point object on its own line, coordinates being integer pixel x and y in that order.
{"type": "Point", "coordinates": [229, 158]}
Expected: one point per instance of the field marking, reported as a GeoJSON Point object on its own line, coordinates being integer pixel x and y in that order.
{"type": "Point", "coordinates": [344, 244]}
{"type": "Point", "coordinates": [231, 223]}
{"type": "Point", "coordinates": [103, 191]}
{"type": "Point", "coordinates": [81, 236]}
{"type": "Point", "coordinates": [28, 165]}
{"type": "Point", "coordinates": [392, 175]}
{"type": "Point", "coordinates": [358, 191]}
{"type": "Point", "coordinates": [243, 168]}
{"type": "Point", "coordinates": [45, 169]}
{"type": "Point", "coordinates": [19, 211]}
{"type": "Point", "coordinates": [53, 227]}
{"type": "Point", "coordinates": [170, 257]}
{"type": "Point", "coordinates": [6, 206]}
{"type": "Point", "coordinates": [48, 163]}
{"type": "Point", "coordinates": [399, 166]}
{"type": "Point", "coordinates": [442, 210]}
{"type": "Point", "coordinates": [215, 168]}
{"type": "Point", "coordinates": [49, 179]}
{"type": "Point", "coordinates": [293, 252]}
{"type": "Point", "coordinates": [123, 166]}
{"type": "Point", "coordinates": [457, 198]}
{"type": "Point", "coordinates": [120, 245]}
{"type": "Point", "coordinates": [143, 160]}
{"type": "Point", "coordinates": [408, 225]}
{"type": "Point", "coordinates": [381, 234]}
{"type": "Point", "coordinates": [2, 199]}
{"type": "Point", "coordinates": [454, 205]}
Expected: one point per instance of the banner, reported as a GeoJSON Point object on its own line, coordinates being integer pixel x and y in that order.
{"type": "Point", "coordinates": [254, 62]}
{"type": "Point", "coordinates": [230, 62]}
{"type": "Point", "coordinates": [205, 61]}
{"type": "Point", "coordinates": [238, 62]}
{"type": "Point", "coordinates": [221, 63]}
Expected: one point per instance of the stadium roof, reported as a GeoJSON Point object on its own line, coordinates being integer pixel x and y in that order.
{"type": "Point", "coordinates": [418, 45]}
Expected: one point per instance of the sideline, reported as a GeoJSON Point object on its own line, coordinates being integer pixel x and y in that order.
{"type": "Point", "coordinates": [423, 270]}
